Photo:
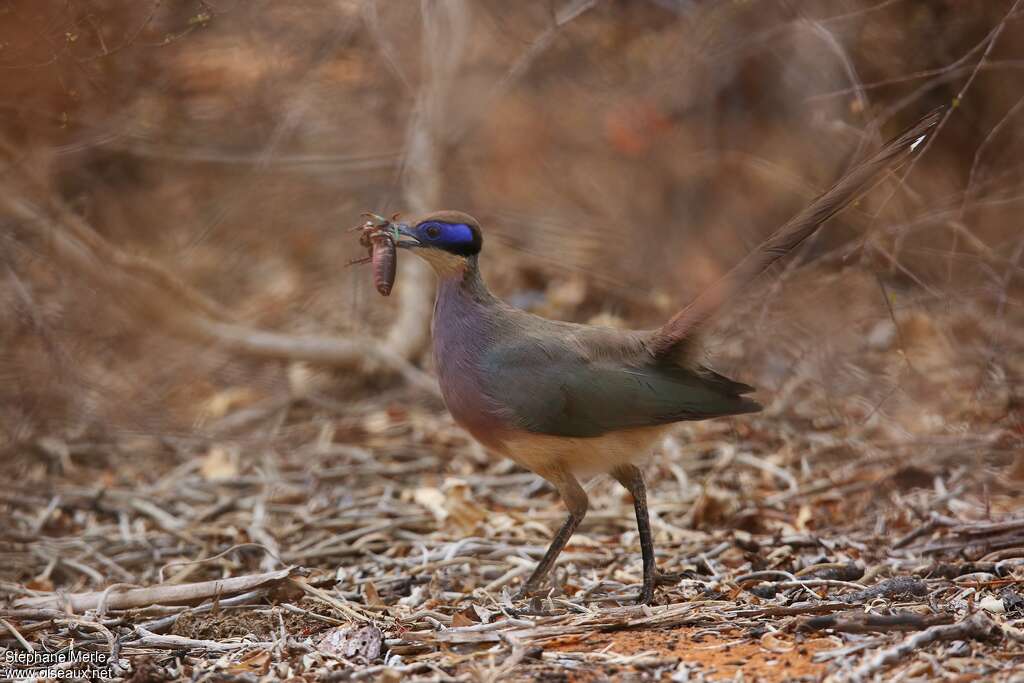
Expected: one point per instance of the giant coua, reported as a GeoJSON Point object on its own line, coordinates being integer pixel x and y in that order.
{"type": "Point", "coordinates": [567, 400]}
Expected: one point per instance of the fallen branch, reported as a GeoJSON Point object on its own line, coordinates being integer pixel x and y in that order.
{"type": "Point", "coordinates": [17, 635]}
{"type": "Point", "coordinates": [156, 595]}
{"type": "Point", "coordinates": [147, 639]}
{"type": "Point", "coordinates": [890, 588]}
{"type": "Point", "coordinates": [976, 627]}
{"type": "Point", "coordinates": [251, 597]}
{"type": "Point", "coordinates": [792, 610]}
{"type": "Point", "coordinates": [861, 622]}
{"type": "Point", "coordinates": [985, 528]}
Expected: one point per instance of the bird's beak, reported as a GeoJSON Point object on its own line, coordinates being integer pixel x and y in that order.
{"type": "Point", "coordinates": [407, 239]}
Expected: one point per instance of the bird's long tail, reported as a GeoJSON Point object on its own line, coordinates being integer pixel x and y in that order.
{"type": "Point", "coordinates": [671, 337]}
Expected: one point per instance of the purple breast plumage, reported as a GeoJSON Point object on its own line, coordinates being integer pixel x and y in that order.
{"type": "Point", "coordinates": [463, 328]}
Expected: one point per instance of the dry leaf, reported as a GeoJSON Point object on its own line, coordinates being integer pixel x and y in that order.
{"type": "Point", "coordinates": [304, 379]}
{"type": "Point", "coordinates": [40, 584]}
{"type": "Point", "coordinates": [220, 462]}
{"type": "Point", "coordinates": [378, 422]}
{"type": "Point", "coordinates": [1017, 471]}
{"type": "Point", "coordinates": [226, 401]}
{"type": "Point", "coordinates": [464, 513]}
{"type": "Point", "coordinates": [804, 517]}
{"type": "Point", "coordinates": [433, 500]}
{"type": "Point", "coordinates": [452, 505]}
{"type": "Point", "coordinates": [774, 642]}
{"type": "Point", "coordinates": [257, 662]}
{"type": "Point", "coordinates": [372, 594]}
{"type": "Point", "coordinates": [461, 619]}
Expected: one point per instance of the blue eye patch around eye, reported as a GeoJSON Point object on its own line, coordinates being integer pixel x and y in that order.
{"type": "Point", "coordinates": [456, 233]}
{"type": "Point", "coordinates": [461, 239]}
{"type": "Point", "coordinates": [451, 233]}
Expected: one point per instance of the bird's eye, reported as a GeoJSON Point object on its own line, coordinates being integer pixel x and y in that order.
{"type": "Point", "coordinates": [433, 231]}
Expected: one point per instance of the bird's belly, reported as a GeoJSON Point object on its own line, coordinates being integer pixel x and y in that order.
{"type": "Point", "coordinates": [583, 456]}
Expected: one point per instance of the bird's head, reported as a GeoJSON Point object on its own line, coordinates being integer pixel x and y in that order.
{"type": "Point", "coordinates": [447, 240]}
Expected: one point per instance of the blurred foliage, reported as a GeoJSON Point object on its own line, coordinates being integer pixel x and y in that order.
{"type": "Point", "coordinates": [629, 158]}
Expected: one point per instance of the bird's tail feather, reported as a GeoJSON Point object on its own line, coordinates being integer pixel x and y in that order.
{"type": "Point", "coordinates": [669, 339]}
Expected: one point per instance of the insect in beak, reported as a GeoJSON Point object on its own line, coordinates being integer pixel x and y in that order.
{"type": "Point", "coordinates": [376, 220]}
{"type": "Point", "coordinates": [380, 236]}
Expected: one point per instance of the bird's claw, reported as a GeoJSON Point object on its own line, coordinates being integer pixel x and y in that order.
{"type": "Point", "coordinates": [524, 593]}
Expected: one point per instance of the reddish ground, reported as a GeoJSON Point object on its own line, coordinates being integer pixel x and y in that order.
{"type": "Point", "coordinates": [775, 658]}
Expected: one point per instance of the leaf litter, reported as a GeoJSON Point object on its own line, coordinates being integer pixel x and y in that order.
{"type": "Point", "coordinates": [377, 542]}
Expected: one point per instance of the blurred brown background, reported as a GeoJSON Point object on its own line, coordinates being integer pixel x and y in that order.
{"type": "Point", "coordinates": [194, 386]}
{"type": "Point", "coordinates": [619, 154]}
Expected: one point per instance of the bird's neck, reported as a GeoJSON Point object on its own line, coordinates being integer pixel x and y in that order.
{"type": "Point", "coordinates": [464, 287]}
{"type": "Point", "coordinates": [465, 312]}
{"type": "Point", "coordinates": [468, 320]}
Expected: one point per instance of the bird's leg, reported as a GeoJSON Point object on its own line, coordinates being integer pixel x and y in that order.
{"type": "Point", "coordinates": [575, 499]}
{"type": "Point", "coordinates": [632, 479]}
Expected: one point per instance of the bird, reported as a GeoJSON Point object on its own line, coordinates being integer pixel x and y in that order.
{"type": "Point", "coordinates": [568, 401]}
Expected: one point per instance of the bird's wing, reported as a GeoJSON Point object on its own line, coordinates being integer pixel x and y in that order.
{"type": "Point", "coordinates": [670, 340]}
{"type": "Point", "coordinates": [548, 386]}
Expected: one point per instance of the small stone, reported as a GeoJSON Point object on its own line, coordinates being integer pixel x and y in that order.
{"type": "Point", "coordinates": [351, 642]}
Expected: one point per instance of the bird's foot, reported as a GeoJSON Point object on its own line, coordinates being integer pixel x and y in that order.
{"type": "Point", "coordinates": [646, 596]}
{"type": "Point", "coordinates": [524, 593]}
{"type": "Point", "coordinates": [534, 603]}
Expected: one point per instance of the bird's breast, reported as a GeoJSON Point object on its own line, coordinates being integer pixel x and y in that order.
{"type": "Point", "coordinates": [462, 335]}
